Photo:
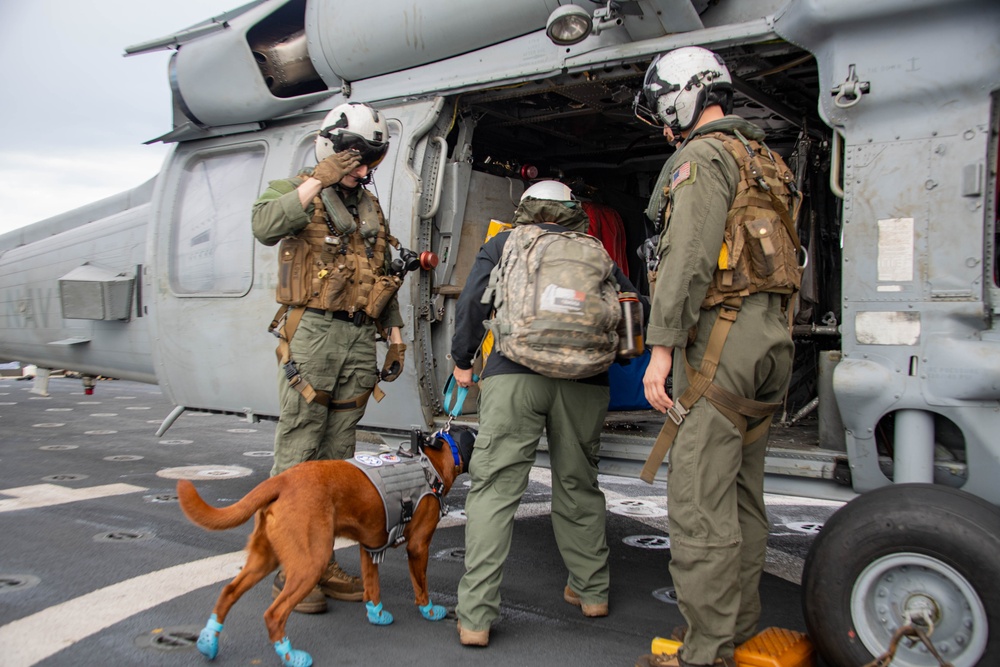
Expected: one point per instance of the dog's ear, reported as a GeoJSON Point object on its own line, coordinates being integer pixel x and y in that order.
{"type": "Point", "coordinates": [465, 440]}
{"type": "Point", "coordinates": [464, 436]}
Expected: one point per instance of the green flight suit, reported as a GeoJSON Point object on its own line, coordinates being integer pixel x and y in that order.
{"type": "Point", "coordinates": [718, 521]}
{"type": "Point", "coordinates": [514, 410]}
{"type": "Point", "coordinates": [331, 354]}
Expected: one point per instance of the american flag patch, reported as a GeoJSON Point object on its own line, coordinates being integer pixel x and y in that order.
{"type": "Point", "coordinates": [681, 175]}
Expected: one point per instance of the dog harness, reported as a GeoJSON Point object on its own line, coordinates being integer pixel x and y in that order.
{"type": "Point", "coordinates": [402, 485]}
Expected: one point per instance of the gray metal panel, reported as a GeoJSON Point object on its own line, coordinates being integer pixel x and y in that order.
{"type": "Point", "coordinates": [200, 29]}
{"type": "Point", "coordinates": [534, 56]}
{"type": "Point", "coordinates": [31, 300]}
{"type": "Point", "coordinates": [220, 83]}
{"type": "Point", "coordinates": [382, 36]}
{"type": "Point", "coordinates": [92, 293]}
{"type": "Point", "coordinates": [913, 221]}
{"type": "Point", "coordinates": [83, 215]}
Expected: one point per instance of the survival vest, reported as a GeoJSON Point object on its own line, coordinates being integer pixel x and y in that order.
{"type": "Point", "coordinates": [556, 302]}
{"type": "Point", "coordinates": [760, 251]}
{"type": "Point", "coordinates": [337, 262]}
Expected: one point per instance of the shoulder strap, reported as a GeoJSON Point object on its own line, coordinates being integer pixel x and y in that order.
{"type": "Point", "coordinates": [749, 162]}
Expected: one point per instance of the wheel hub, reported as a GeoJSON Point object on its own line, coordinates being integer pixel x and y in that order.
{"type": "Point", "coordinates": [904, 588]}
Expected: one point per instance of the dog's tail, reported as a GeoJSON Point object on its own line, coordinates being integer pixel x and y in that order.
{"type": "Point", "coordinates": [221, 518]}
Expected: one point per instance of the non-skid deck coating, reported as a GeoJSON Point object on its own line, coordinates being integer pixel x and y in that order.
{"type": "Point", "coordinates": [99, 567]}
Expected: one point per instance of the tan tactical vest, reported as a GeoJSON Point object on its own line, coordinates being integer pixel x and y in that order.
{"type": "Point", "coordinates": [760, 250]}
{"type": "Point", "coordinates": [321, 267]}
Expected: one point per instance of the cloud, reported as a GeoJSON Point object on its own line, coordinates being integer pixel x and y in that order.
{"type": "Point", "coordinates": [34, 186]}
{"type": "Point", "coordinates": [76, 113]}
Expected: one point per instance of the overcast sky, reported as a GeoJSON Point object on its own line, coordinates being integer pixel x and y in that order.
{"type": "Point", "coordinates": [75, 112]}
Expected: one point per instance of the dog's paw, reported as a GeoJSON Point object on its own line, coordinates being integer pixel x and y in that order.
{"type": "Point", "coordinates": [376, 615]}
{"type": "Point", "coordinates": [208, 639]}
{"type": "Point", "coordinates": [433, 612]}
{"type": "Point", "coordinates": [291, 657]}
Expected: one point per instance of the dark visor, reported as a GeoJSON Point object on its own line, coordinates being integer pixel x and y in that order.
{"type": "Point", "coordinates": [372, 152]}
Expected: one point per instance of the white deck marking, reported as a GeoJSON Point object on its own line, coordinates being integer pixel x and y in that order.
{"type": "Point", "coordinates": [45, 495]}
{"type": "Point", "coordinates": [34, 638]}
{"type": "Point", "coordinates": [29, 640]}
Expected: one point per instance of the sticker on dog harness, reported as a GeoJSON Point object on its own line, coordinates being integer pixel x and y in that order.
{"type": "Point", "coordinates": [368, 460]}
{"type": "Point", "coordinates": [389, 458]}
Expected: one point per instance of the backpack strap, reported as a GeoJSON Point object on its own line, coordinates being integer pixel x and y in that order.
{"type": "Point", "coordinates": [284, 325]}
{"type": "Point", "coordinates": [736, 408]}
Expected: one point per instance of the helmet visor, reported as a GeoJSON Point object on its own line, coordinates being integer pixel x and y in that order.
{"type": "Point", "coordinates": [371, 152]}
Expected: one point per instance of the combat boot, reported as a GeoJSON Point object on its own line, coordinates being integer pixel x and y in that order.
{"type": "Point", "coordinates": [313, 603]}
{"type": "Point", "coordinates": [594, 610]}
{"type": "Point", "coordinates": [473, 637]}
{"type": "Point", "coordinates": [339, 585]}
{"type": "Point", "coordinates": [674, 660]}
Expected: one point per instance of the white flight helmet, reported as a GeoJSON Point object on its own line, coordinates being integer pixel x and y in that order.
{"type": "Point", "coordinates": [679, 85]}
{"type": "Point", "coordinates": [553, 190]}
{"type": "Point", "coordinates": [354, 126]}
{"type": "Point", "coordinates": [551, 201]}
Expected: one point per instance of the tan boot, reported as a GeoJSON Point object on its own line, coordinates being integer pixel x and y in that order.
{"type": "Point", "coordinates": [658, 660]}
{"type": "Point", "coordinates": [339, 585]}
{"type": "Point", "coordinates": [313, 603]}
{"type": "Point", "coordinates": [674, 660]}
{"type": "Point", "coordinates": [473, 637]}
{"type": "Point", "coordinates": [595, 610]}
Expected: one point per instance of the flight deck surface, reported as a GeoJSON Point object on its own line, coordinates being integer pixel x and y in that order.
{"type": "Point", "coordinates": [99, 566]}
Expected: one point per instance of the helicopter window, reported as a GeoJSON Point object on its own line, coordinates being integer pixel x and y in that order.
{"type": "Point", "coordinates": [212, 243]}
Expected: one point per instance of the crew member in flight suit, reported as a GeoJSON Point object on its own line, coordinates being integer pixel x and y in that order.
{"type": "Point", "coordinates": [728, 267]}
{"type": "Point", "coordinates": [335, 279]}
{"type": "Point", "coordinates": [516, 405]}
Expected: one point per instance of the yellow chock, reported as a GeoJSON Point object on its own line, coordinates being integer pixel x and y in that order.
{"type": "Point", "coordinates": [663, 646]}
{"type": "Point", "coordinates": [771, 647]}
{"type": "Point", "coordinates": [776, 647]}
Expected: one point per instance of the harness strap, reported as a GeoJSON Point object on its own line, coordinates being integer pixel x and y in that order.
{"type": "Point", "coordinates": [735, 408]}
{"type": "Point", "coordinates": [786, 218]}
{"type": "Point", "coordinates": [700, 383]}
{"type": "Point", "coordinates": [752, 161]}
{"type": "Point", "coordinates": [284, 325]}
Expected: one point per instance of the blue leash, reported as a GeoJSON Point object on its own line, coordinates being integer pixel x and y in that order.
{"type": "Point", "coordinates": [455, 397]}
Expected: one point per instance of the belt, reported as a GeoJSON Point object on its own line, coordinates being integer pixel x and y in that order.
{"type": "Point", "coordinates": [358, 319]}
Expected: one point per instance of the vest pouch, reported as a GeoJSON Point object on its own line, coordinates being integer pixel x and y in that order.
{"type": "Point", "coordinates": [731, 277]}
{"type": "Point", "coordinates": [333, 292]}
{"type": "Point", "coordinates": [382, 291]}
{"type": "Point", "coordinates": [294, 281]}
{"type": "Point", "coordinates": [762, 244]}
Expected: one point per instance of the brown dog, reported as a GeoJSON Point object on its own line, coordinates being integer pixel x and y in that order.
{"type": "Point", "coordinates": [299, 512]}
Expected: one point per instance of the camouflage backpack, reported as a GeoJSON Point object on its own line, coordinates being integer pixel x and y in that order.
{"type": "Point", "coordinates": [556, 303]}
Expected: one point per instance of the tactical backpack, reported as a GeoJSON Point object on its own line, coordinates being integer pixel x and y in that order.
{"type": "Point", "coordinates": [556, 303]}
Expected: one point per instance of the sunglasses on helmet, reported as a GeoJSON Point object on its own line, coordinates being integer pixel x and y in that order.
{"type": "Point", "coordinates": [371, 152]}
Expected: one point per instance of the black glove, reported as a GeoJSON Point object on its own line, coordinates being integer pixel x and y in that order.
{"type": "Point", "coordinates": [393, 366]}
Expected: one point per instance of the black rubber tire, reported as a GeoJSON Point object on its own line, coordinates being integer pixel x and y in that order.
{"type": "Point", "coordinates": [954, 529]}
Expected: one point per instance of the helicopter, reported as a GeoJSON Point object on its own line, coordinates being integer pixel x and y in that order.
{"type": "Point", "coordinates": [888, 114]}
